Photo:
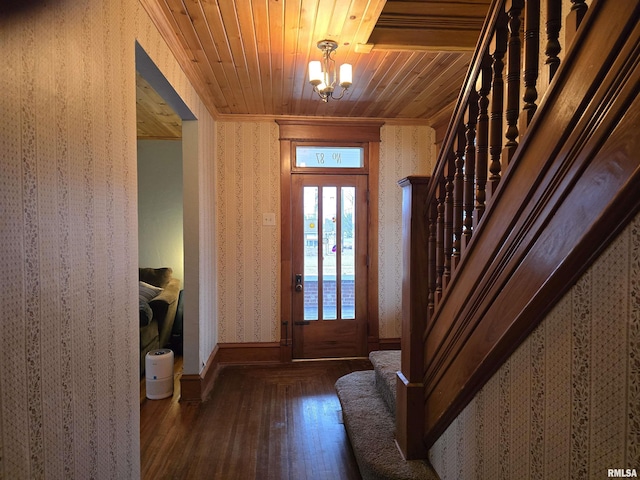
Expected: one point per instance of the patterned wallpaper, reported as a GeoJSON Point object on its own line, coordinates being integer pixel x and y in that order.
{"type": "Point", "coordinates": [567, 402]}
{"type": "Point", "coordinates": [68, 215]}
{"type": "Point", "coordinates": [404, 151]}
{"type": "Point", "coordinates": [69, 377]}
{"type": "Point", "coordinates": [248, 185]}
{"type": "Point", "coordinates": [204, 270]}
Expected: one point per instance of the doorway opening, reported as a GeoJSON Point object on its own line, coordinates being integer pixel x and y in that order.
{"type": "Point", "coordinates": [329, 252]}
{"type": "Point", "coordinates": [165, 152]}
{"type": "Point", "coordinates": [329, 280]}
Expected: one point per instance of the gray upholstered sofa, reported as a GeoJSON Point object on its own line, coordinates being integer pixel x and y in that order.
{"type": "Point", "coordinates": [159, 292]}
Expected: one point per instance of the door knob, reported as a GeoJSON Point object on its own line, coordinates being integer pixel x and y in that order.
{"type": "Point", "coordinates": [298, 284]}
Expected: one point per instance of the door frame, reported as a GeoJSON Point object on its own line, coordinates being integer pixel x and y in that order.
{"type": "Point", "coordinates": [318, 338]}
{"type": "Point", "coordinates": [326, 132]}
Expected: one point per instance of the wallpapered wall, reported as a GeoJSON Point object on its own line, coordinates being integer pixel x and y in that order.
{"type": "Point", "coordinates": [248, 185]}
{"type": "Point", "coordinates": [69, 386]}
{"type": "Point", "coordinates": [404, 151]}
{"type": "Point", "coordinates": [567, 402]}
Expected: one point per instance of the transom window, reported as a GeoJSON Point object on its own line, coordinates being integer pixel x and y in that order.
{"type": "Point", "coordinates": [313, 156]}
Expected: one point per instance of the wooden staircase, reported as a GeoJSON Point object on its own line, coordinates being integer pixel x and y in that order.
{"type": "Point", "coordinates": [525, 195]}
{"type": "Point", "coordinates": [537, 173]}
{"type": "Point", "coordinates": [368, 400]}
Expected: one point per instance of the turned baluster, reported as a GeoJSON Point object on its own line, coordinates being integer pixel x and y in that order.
{"type": "Point", "coordinates": [440, 240]}
{"type": "Point", "coordinates": [458, 195]}
{"type": "Point", "coordinates": [448, 218]}
{"type": "Point", "coordinates": [497, 50]}
{"type": "Point", "coordinates": [554, 22]}
{"type": "Point", "coordinates": [483, 86]}
{"type": "Point", "coordinates": [574, 19]}
{"type": "Point", "coordinates": [531, 56]}
{"type": "Point", "coordinates": [432, 219]}
{"type": "Point", "coordinates": [470, 119]}
{"type": "Point", "coordinates": [514, 9]}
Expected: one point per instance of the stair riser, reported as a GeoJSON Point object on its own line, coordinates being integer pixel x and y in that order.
{"type": "Point", "coordinates": [385, 364]}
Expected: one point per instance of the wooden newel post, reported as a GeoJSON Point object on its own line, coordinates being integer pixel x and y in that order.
{"type": "Point", "coordinates": [415, 288]}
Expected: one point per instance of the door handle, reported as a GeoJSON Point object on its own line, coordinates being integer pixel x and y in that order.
{"type": "Point", "coordinates": [298, 283]}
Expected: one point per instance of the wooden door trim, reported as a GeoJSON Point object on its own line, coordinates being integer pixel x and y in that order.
{"type": "Point", "coordinates": [326, 131]}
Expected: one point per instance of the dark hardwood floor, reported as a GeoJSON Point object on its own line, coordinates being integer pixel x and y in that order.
{"type": "Point", "coordinates": [261, 422]}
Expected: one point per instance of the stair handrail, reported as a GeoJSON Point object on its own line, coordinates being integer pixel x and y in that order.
{"type": "Point", "coordinates": [453, 219]}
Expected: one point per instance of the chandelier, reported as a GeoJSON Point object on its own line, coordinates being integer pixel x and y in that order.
{"type": "Point", "coordinates": [322, 74]}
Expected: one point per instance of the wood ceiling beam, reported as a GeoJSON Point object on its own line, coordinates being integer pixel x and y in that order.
{"type": "Point", "coordinates": [368, 22]}
{"type": "Point", "coordinates": [423, 40]}
{"type": "Point", "coordinates": [429, 25]}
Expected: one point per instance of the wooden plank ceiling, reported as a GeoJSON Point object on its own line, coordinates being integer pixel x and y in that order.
{"type": "Point", "coordinates": [155, 119]}
{"type": "Point", "coordinates": [249, 58]}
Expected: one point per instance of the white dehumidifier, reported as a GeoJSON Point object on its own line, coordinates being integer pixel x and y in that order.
{"type": "Point", "coordinates": [159, 373]}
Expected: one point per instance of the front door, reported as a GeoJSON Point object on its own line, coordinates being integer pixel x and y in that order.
{"type": "Point", "coordinates": [329, 265]}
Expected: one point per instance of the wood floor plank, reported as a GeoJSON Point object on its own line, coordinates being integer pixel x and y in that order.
{"type": "Point", "coordinates": [267, 422]}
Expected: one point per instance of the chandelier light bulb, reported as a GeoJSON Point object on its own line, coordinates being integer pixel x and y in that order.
{"type": "Point", "coordinates": [345, 75]}
{"type": "Point", "coordinates": [323, 74]}
{"type": "Point", "coordinates": [315, 73]}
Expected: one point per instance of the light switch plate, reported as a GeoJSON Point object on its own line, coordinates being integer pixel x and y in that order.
{"type": "Point", "coordinates": [269, 219]}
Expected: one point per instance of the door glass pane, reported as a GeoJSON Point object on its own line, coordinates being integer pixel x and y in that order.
{"type": "Point", "coordinates": [311, 252]}
{"type": "Point", "coordinates": [329, 244]}
{"type": "Point", "coordinates": [348, 244]}
{"type": "Point", "coordinates": [329, 157]}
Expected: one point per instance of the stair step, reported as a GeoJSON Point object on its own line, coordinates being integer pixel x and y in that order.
{"type": "Point", "coordinates": [371, 427]}
{"type": "Point", "coordinates": [385, 364]}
